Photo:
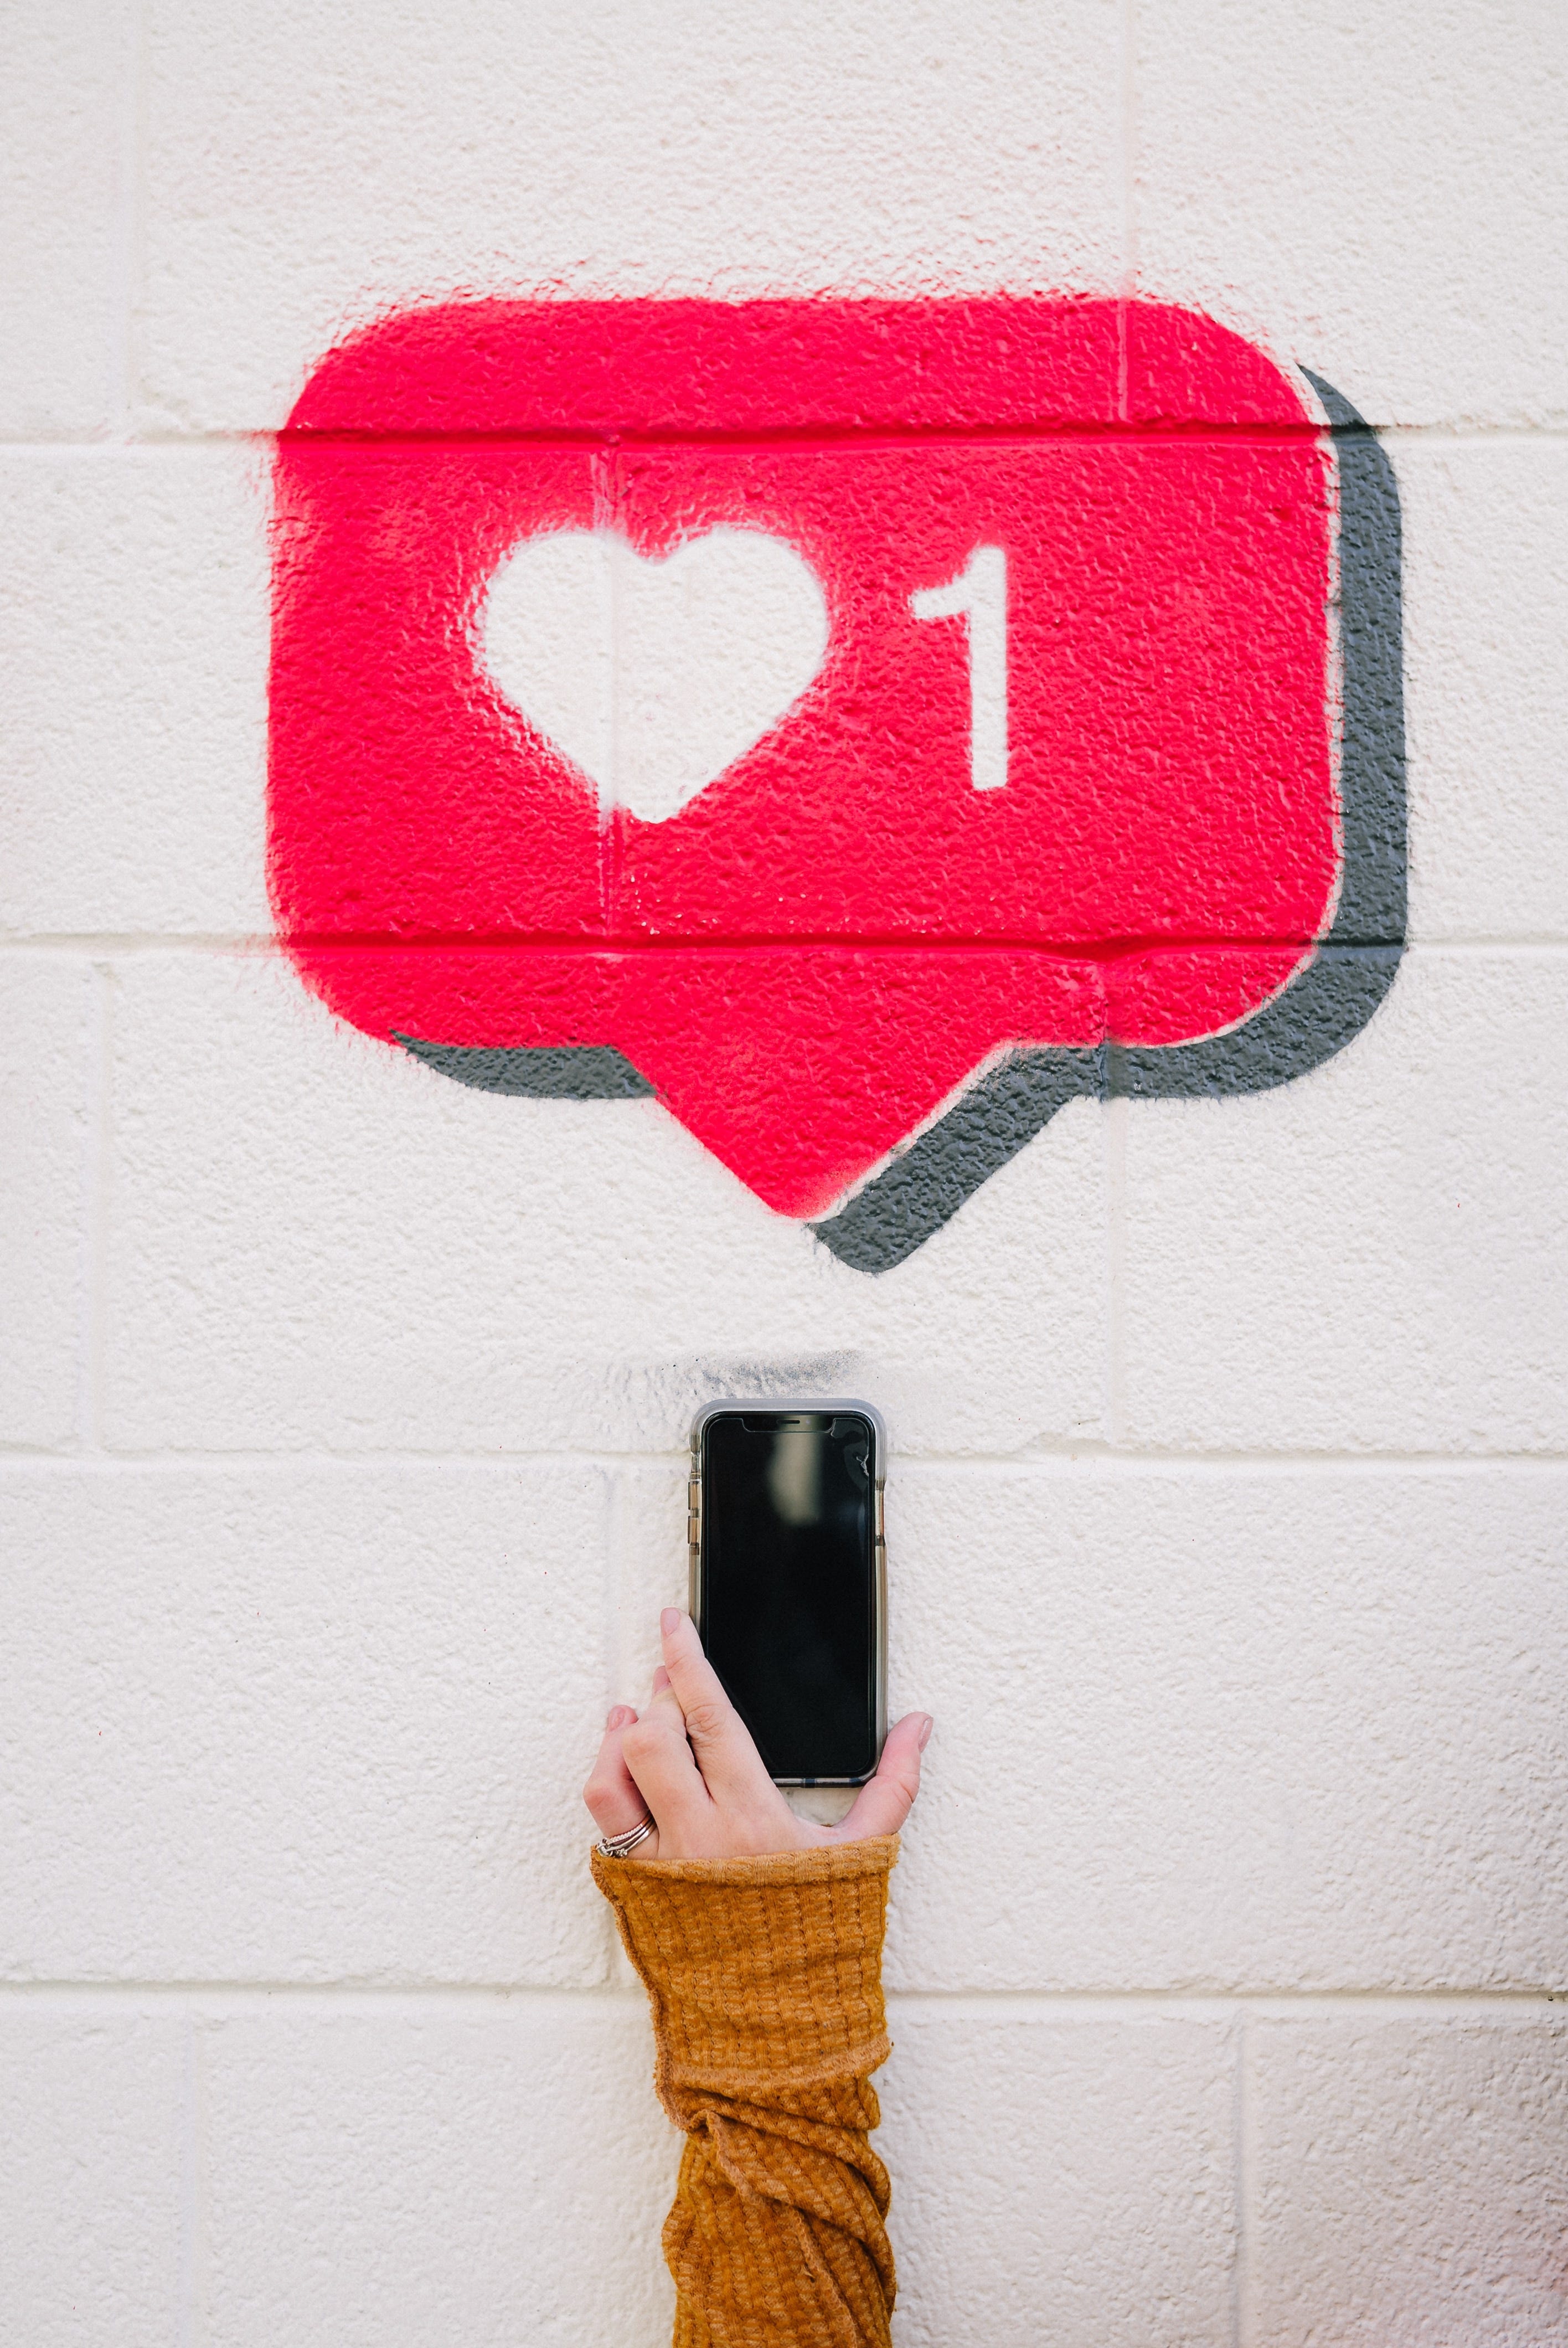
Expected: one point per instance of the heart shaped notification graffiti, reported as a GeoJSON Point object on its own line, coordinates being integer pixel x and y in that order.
{"type": "Point", "coordinates": [866, 726]}
{"type": "Point", "coordinates": [653, 676]}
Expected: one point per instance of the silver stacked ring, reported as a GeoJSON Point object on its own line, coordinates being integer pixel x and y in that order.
{"type": "Point", "coordinates": [619, 1845]}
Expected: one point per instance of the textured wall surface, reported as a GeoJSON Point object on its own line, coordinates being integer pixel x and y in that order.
{"type": "Point", "coordinates": [344, 1407]}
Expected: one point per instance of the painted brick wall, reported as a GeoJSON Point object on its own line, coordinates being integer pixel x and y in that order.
{"type": "Point", "coordinates": [344, 1408]}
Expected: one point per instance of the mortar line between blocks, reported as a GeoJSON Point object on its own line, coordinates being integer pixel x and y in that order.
{"type": "Point", "coordinates": [122, 264]}
{"type": "Point", "coordinates": [1114, 1113]}
{"type": "Point", "coordinates": [97, 1144]}
{"type": "Point", "coordinates": [614, 1655]}
{"type": "Point", "coordinates": [1077, 1459]}
{"type": "Point", "coordinates": [138, 258]}
{"type": "Point", "coordinates": [116, 356]}
{"type": "Point", "coordinates": [1538, 945]}
{"type": "Point", "coordinates": [1229, 2004]}
{"type": "Point", "coordinates": [1242, 2169]}
{"type": "Point", "coordinates": [89, 1159]}
{"type": "Point", "coordinates": [164, 439]}
{"type": "Point", "coordinates": [1129, 112]}
{"type": "Point", "coordinates": [212, 1998]}
{"type": "Point", "coordinates": [193, 2184]}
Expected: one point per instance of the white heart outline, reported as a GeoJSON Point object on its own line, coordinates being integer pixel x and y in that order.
{"type": "Point", "coordinates": [653, 676]}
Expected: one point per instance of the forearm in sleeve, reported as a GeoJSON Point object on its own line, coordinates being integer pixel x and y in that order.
{"type": "Point", "coordinates": [764, 1976]}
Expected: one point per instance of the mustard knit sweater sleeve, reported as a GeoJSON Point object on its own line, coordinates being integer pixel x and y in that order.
{"type": "Point", "coordinates": [765, 1981]}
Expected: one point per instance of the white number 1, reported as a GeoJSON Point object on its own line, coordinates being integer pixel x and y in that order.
{"type": "Point", "coordinates": [980, 595]}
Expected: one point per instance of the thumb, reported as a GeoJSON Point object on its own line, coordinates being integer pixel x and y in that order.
{"type": "Point", "coordinates": [884, 1803]}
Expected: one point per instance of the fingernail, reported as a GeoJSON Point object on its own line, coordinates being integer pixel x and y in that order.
{"type": "Point", "coordinates": [670, 1621]}
{"type": "Point", "coordinates": [926, 1727]}
{"type": "Point", "coordinates": [620, 1715]}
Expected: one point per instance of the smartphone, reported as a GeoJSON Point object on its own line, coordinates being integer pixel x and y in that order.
{"type": "Point", "coordinates": [788, 1579]}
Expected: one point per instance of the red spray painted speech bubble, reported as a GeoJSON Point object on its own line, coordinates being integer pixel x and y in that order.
{"type": "Point", "coordinates": [849, 720]}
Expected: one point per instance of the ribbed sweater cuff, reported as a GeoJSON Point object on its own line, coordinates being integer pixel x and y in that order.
{"type": "Point", "coordinates": [763, 1973]}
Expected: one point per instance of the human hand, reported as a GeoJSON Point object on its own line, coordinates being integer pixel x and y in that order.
{"type": "Point", "coordinates": [688, 1762]}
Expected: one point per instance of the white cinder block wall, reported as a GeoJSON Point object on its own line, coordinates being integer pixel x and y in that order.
{"type": "Point", "coordinates": [344, 1408]}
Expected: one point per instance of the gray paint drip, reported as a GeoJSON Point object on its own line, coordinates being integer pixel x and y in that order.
{"type": "Point", "coordinates": [1325, 1005]}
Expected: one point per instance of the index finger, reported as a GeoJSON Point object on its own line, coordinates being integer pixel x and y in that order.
{"type": "Point", "coordinates": [720, 1738]}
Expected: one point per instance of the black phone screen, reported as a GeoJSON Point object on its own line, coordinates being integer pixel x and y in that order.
{"type": "Point", "coordinates": [788, 1589]}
